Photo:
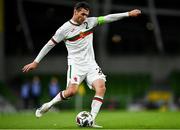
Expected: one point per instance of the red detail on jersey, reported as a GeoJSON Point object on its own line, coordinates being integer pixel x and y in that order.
{"type": "Point", "coordinates": [81, 35]}
{"type": "Point", "coordinates": [54, 41]}
{"type": "Point", "coordinates": [75, 79]}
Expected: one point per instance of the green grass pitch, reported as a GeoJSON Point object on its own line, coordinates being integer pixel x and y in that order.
{"type": "Point", "coordinates": [109, 120]}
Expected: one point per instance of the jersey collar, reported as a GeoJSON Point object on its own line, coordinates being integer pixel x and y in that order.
{"type": "Point", "coordinates": [74, 23]}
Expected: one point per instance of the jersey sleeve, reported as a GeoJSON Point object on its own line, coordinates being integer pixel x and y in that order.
{"type": "Point", "coordinates": [93, 21]}
{"type": "Point", "coordinates": [59, 35]}
{"type": "Point", "coordinates": [111, 17]}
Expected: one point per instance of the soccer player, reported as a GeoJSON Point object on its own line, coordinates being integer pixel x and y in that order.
{"type": "Point", "coordinates": [77, 33]}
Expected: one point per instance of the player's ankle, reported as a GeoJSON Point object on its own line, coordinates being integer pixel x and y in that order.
{"type": "Point", "coordinates": [93, 115]}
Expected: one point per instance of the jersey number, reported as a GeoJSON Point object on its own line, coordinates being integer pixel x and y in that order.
{"type": "Point", "coordinates": [86, 24]}
{"type": "Point", "coordinates": [99, 71]}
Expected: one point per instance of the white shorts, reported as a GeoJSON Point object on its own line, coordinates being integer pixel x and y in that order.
{"type": "Point", "coordinates": [76, 74]}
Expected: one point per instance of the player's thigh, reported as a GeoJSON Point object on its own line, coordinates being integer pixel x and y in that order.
{"type": "Point", "coordinates": [94, 75]}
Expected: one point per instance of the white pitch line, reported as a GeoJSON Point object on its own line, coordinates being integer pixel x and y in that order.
{"type": "Point", "coordinates": [88, 129]}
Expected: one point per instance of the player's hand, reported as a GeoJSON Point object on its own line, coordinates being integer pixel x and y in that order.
{"type": "Point", "coordinates": [30, 66]}
{"type": "Point", "coordinates": [134, 13]}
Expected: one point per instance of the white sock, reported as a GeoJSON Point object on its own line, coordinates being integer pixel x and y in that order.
{"type": "Point", "coordinates": [59, 97]}
{"type": "Point", "coordinates": [96, 105]}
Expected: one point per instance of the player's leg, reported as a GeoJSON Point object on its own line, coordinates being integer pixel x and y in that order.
{"type": "Point", "coordinates": [73, 81]}
{"type": "Point", "coordinates": [96, 80]}
{"type": "Point", "coordinates": [70, 91]}
{"type": "Point", "coordinates": [100, 89]}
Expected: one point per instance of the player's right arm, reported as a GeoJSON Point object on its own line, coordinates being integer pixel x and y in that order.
{"type": "Point", "coordinates": [58, 37]}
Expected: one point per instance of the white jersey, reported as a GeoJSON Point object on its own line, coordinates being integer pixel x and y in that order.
{"type": "Point", "coordinates": [79, 43]}
{"type": "Point", "coordinates": [78, 40]}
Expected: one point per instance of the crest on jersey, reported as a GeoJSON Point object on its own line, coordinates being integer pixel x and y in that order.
{"type": "Point", "coordinates": [82, 34]}
{"type": "Point", "coordinates": [75, 79]}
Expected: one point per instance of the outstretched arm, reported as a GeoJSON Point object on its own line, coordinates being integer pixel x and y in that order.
{"type": "Point", "coordinates": [117, 16]}
{"type": "Point", "coordinates": [58, 37]}
{"type": "Point", "coordinates": [45, 50]}
{"type": "Point", "coordinates": [41, 54]}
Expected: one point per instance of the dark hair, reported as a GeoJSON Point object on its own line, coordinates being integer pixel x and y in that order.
{"type": "Point", "coordinates": [83, 5]}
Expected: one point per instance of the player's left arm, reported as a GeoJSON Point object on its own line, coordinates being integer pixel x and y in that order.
{"type": "Point", "coordinates": [117, 16]}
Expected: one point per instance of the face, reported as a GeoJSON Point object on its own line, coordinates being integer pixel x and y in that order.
{"type": "Point", "coordinates": [81, 15]}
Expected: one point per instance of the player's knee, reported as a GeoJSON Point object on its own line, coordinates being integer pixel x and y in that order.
{"type": "Point", "coordinates": [101, 88]}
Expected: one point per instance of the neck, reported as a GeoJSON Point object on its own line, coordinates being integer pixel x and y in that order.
{"type": "Point", "coordinates": [73, 20]}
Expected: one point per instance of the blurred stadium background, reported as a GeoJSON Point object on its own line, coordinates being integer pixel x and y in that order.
{"type": "Point", "coordinates": [140, 56]}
